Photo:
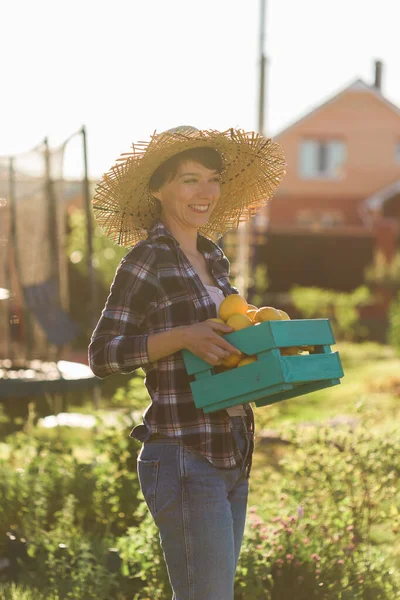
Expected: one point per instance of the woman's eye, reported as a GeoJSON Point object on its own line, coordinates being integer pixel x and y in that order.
{"type": "Point", "coordinates": [190, 180]}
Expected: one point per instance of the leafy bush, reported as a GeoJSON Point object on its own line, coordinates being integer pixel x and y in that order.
{"type": "Point", "coordinates": [325, 530]}
{"type": "Point", "coordinates": [335, 490]}
{"type": "Point", "coordinates": [107, 255]}
{"type": "Point", "coordinates": [382, 272]}
{"type": "Point", "coordinates": [39, 475]}
{"type": "Point", "coordinates": [340, 307]}
{"type": "Point", "coordinates": [133, 394]}
{"type": "Point", "coordinates": [394, 324]}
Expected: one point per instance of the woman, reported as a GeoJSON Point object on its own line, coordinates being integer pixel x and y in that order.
{"type": "Point", "coordinates": [170, 200]}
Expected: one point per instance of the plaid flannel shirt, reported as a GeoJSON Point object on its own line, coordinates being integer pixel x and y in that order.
{"type": "Point", "coordinates": [156, 288]}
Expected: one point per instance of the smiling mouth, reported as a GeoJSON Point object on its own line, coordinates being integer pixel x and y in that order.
{"type": "Point", "coordinates": [199, 208]}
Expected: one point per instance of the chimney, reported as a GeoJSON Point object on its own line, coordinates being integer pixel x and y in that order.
{"type": "Point", "coordinates": [378, 75]}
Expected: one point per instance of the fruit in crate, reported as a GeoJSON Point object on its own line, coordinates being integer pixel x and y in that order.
{"type": "Point", "coordinates": [239, 321]}
{"type": "Point", "coordinates": [289, 351]}
{"type": "Point", "coordinates": [247, 361]}
{"type": "Point", "coordinates": [232, 305]}
{"type": "Point", "coordinates": [284, 315]}
{"type": "Point", "coordinates": [231, 361]}
{"type": "Point", "coordinates": [252, 313]}
{"type": "Point", "coordinates": [267, 313]}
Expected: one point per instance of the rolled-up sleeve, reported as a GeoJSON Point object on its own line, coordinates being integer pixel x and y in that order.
{"type": "Point", "coordinates": [118, 344]}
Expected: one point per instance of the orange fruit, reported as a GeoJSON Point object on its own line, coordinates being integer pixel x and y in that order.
{"type": "Point", "coordinates": [252, 306]}
{"type": "Point", "coordinates": [231, 305]}
{"type": "Point", "coordinates": [239, 321]}
{"type": "Point", "coordinates": [284, 315]}
{"type": "Point", "coordinates": [267, 313]}
{"type": "Point", "coordinates": [231, 361]}
{"type": "Point", "coordinates": [307, 348]}
{"type": "Point", "coordinates": [252, 314]}
{"type": "Point", "coordinates": [247, 361]}
{"type": "Point", "coordinates": [290, 351]}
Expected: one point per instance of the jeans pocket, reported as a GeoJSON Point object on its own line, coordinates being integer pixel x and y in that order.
{"type": "Point", "coordinates": [148, 477]}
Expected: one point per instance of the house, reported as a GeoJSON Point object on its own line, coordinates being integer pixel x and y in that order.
{"type": "Point", "coordinates": [340, 199]}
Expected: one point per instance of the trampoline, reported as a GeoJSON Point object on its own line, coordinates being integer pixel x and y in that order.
{"type": "Point", "coordinates": [36, 328]}
{"type": "Point", "coordinates": [39, 378]}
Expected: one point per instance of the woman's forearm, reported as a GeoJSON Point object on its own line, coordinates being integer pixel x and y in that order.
{"type": "Point", "coordinates": [160, 345]}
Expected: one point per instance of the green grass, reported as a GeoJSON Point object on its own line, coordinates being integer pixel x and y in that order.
{"type": "Point", "coordinates": [363, 364]}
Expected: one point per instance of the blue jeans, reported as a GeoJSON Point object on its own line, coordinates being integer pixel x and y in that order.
{"type": "Point", "coordinates": [200, 512]}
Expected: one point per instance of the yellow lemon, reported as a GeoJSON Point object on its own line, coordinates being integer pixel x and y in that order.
{"type": "Point", "coordinates": [231, 305]}
{"type": "Point", "coordinates": [239, 321]}
{"type": "Point", "coordinates": [284, 315]}
{"type": "Point", "coordinates": [267, 313]}
{"type": "Point", "coordinates": [231, 361]}
{"type": "Point", "coordinates": [308, 348]}
{"type": "Point", "coordinates": [252, 306]}
{"type": "Point", "coordinates": [251, 313]}
{"type": "Point", "coordinates": [290, 351]}
{"type": "Point", "coordinates": [246, 361]}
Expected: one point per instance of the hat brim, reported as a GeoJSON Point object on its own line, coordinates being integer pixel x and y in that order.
{"type": "Point", "coordinates": [253, 167]}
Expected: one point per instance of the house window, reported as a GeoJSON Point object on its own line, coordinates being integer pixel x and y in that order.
{"type": "Point", "coordinates": [321, 158]}
{"type": "Point", "coordinates": [398, 153]}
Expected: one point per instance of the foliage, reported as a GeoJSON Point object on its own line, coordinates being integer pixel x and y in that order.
{"type": "Point", "coordinates": [38, 476]}
{"type": "Point", "coordinates": [394, 324]}
{"type": "Point", "coordinates": [261, 284]}
{"type": "Point", "coordinates": [340, 307]}
{"type": "Point", "coordinates": [383, 272]}
{"type": "Point", "coordinates": [327, 525]}
{"type": "Point", "coordinates": [133, 394]}
{"type": "Point", "coordinates": [335, 489]}
{"type": "Point", "coordinates": [142, 557]}
{"type": "Point", "coordinates": [106, 254]}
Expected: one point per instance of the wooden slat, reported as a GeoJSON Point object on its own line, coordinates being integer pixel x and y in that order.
{"type": "Point", "coordinates": [296, 392]}
{"type": "Point", "coordinates": [237, 382]}
{"type": "Point", "coordinates": [315, 368]}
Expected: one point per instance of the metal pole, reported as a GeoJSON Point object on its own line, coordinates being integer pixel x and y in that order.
{"type": "Point", "coordinates": [89, 234]}
{"type": "Point", "coordinates": [245, 232]}
{"type": "Point", "coordinates": [28, 325]}
{"type": "Point", "coordinates": [96, 393]}
{"type": "Point", "coordinates": [263, 60]}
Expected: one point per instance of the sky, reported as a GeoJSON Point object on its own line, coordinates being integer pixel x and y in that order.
{"type": "Point", "coordinates": [129, 67]}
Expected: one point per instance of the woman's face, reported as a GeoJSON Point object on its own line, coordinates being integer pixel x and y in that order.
{"type": "Point", "coordinates": [190, 197]}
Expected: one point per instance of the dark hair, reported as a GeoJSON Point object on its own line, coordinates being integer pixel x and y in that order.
{"type": "Point", "coordinates": [208, 157]}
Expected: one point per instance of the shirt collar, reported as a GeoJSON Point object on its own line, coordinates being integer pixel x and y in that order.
{"type": "Point", "coordinates": [205, 245]}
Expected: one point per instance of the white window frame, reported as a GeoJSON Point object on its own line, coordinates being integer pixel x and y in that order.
{"type": "Point", "coordinates": [397, 152]}
{"type": "Point", "coordinates": [322, 158]}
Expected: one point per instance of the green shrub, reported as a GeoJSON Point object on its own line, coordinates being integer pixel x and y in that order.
{"type": "Point", "coordinates": [326, 528]}
{"type": "Point", "coordinates": [381, 272]}
{"type": "Point", "coordinates": [106, 254]}
{"type": "Point", "coordinates": [394, 324]}
{"type": "Point", "coordinates": [340, 307]}
{"type": "Point", "coordinates": [39, 475]}
{"type": "Point", "coordinates": [133, 394]}
{"type": "Point", "coordinates": [319, 541]}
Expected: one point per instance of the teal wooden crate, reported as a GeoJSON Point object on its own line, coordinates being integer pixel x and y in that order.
{"type": "Point", "coordinates": [273, 377]}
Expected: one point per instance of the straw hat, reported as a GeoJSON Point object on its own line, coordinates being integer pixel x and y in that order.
{"type": "Point", "coordinates": [253, 166]}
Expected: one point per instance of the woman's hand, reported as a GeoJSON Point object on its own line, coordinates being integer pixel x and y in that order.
{"type": "Point", "coordinates": [205, 341]}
